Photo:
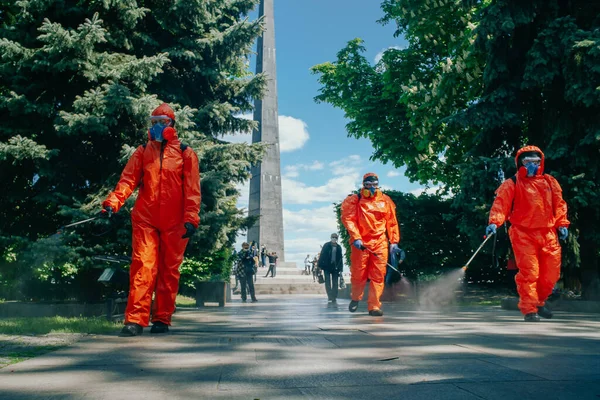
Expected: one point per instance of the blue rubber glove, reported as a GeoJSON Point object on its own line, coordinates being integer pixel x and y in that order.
{"type": "Point", "coordinates": [358, 244]}
{"type": "Point", "coordinates": [490, 230]}
{"type": "Point", "coordinates": [394, 248]}
{"type": "Point", "coordinates": [106, 212]}
{"type": "Point", "coordinates": [563, 233]}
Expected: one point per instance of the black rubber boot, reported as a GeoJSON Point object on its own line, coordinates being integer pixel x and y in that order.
{"type": "Point", "coordinates": [544, 312]}
{"type": "Point", "coordinates": [159, 327]}
{"type": "Point", "coordinates": [532, 317]}
{"type": "Point", "coordinates": [132, 330]}
{"type": "Point", "coordinates": [376, 313]}
{"type": "Point", "coordinates": [254, 300]}
{"type": "Point", "coordinates": [353, 306]}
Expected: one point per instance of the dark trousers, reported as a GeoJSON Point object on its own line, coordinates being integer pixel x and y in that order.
{"type": "Point", "coordinates": [271, 270]}
{"type": "Point", "coordinates": [331, 284]}
{"type": "Point", "coordinates": [247, 284]}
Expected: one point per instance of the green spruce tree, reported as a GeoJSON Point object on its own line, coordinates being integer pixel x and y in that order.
{"type": "Point", "coordinates": [78, 80]}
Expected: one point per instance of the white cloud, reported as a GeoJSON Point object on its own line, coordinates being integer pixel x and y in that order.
{"type": "Point", "coordinates": [346, 177]}
{"type": "Point", "coordinates": [346, 165]}
{"type": "Point", "coordinates": [307, 230]}
{"type": "Point", "coordinates": [317, 221]}
{"type": "Point", "coordinates": [335, 189]}
{"type": "Point", "coordinates": [293, 133]}
{"type": "Point", "coordinates": [297, 249]}
{"type": "Point", "coordinates": [315, 166]}
{"type": "Point", "coordinates": [380, 54]}
{"type": "Point", "coordinates": [393, 173]}
{"type": "Point", "coordinates": [293, 171]}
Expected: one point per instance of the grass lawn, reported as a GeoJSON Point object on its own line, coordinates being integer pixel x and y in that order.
{"type": "Point", "coordinates": [183, 301]}
{"type": "Point", "coordinates": [45, 325]}
{"type": "Point", "coordinates": [25, 338]}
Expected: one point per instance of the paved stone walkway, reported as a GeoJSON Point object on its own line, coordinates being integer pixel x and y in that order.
{"type": "Point", "coordinates": [296, 347]}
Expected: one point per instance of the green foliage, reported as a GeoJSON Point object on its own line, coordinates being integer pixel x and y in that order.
{"type": "Point", "coordinates": [478, 80]}
{"type": "Point", "coordinates": [216, 267]}
{"type": "Point", "coordinates": [78, 80]}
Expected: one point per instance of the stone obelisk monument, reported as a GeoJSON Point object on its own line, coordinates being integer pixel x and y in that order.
{"type": "Point", "coordinates": [265, 184]}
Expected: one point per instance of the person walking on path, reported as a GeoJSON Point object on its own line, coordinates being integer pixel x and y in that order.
{"type": "Point", "coordinates": [370, 218]}
{"type": "Point", "coordinates": [246, 272]}
{"type": "Point", "coordinates": [331, 262]}
{"type": "Point", "coordinates": [164, 217]}
{"type": "Point", "coordinates": [533, 204]}
{"type": "Point", "coordinates": [272, 264]}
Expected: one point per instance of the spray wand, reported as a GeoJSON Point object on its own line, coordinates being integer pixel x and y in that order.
{"type": "Point", "coordinates": [477, 251]}
{"type": "Point", "coordinates": [78, 223]}
{"type": "Point", "coordinates": [379, 258]}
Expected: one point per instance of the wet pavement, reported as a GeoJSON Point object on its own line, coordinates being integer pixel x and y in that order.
{"type": "Point", "coordinates": [301, 347]}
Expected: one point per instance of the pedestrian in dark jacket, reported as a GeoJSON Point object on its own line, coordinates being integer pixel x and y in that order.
{"type": "Point", "coordinates": [272, 264]}
{"type": "Point", "coordinates": [245, 272]}
{"type": "Point", "coordinates": [330, 261]}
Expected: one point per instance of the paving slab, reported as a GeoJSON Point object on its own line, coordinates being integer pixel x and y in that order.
{"type": "Point", "coordinates": [301, 347]}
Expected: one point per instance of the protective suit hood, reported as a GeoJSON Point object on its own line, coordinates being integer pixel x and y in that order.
{"type": "Point", "coordinates": [521, 170]}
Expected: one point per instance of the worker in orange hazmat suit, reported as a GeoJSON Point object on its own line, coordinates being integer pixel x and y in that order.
{"type": "Point", "coordinates": [532, 202]}
{"type": "Point", "coordinates": [370, 218]}
{"type": "Point", "coordinates": [164, 217]}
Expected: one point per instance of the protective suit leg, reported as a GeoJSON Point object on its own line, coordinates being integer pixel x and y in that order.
{"type": "Point", "coordinates": [525, 246]}
{"type": "Point", "coordinates": [550, 261]}
{"type": "Point", "coordinates": [376, 274]}
{"type": "Point", "coordinates": [171, 250]}
{"type": "Point", "coordinates": [358, 272]}
{"type": "Point", "coordinates": [142, 274]}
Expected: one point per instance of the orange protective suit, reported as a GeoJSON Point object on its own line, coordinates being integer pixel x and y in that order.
{"type": "Point", "coordinates": [535, 208]}
{"type": "Point", "coordinates": [369, 219]}
{"type": "Point", "coordinates": [169, 196]}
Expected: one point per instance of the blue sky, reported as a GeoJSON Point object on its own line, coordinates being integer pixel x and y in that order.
{"type": "Point", "coordinates": [320, 164]}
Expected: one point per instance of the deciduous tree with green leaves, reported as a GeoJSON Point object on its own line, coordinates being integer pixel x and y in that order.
{"type": "Point", "coordinates": [478, 80]}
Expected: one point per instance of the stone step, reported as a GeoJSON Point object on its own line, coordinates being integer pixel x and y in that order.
{"type": "Point", "coordinates": [282, 279]}
{"type": "Point", "coordinates": [278, 277]}
{"type": "Point", "coordinates": [290, 288]}
{"type": "Point", "coordinates": [286, 264]}
{"type": "Point", "coordinates": [281, 271]}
